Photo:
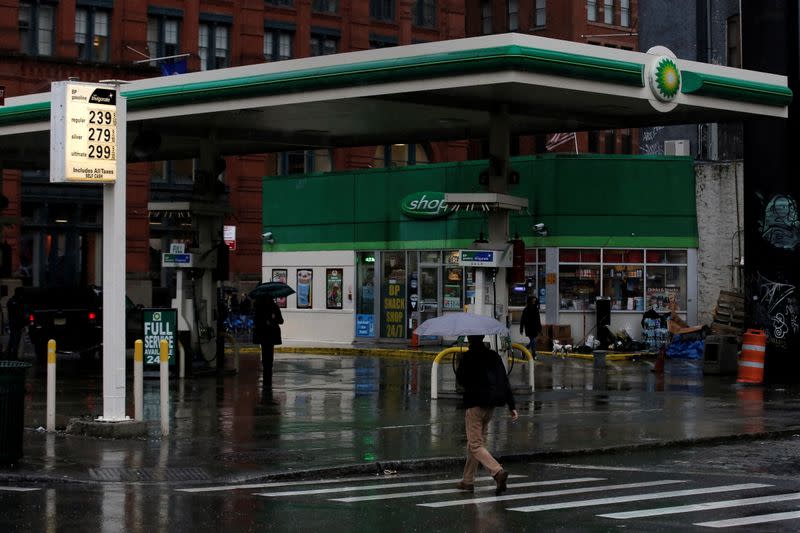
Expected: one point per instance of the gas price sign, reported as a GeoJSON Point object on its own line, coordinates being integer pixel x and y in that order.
{"type": "Point", "coordinates": [83, 133]}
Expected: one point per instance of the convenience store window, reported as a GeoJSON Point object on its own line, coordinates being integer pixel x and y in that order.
{"type": "Point", "coordinates": [535, 260]}
{"type": "Point", "coordinates": [623, 279]}
{"type": "Point", "coordinates": [634, 279]}
{"type": "Point", "coordinates": [666, 279]}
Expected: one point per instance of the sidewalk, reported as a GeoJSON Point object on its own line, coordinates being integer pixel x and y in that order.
{"type": "Point", "coordinates": [369, 407]}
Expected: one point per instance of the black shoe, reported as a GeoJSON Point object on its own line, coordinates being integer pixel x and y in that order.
{"type": "Point", "coordinates": [500, 478]}
{"type": "Point", "coordinates": [468, 487]}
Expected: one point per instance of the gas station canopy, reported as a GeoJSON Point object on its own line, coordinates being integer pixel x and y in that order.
{"type": "Point", "coordinates": [424, 92]}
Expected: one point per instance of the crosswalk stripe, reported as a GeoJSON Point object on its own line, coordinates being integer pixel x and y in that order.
{"type": "Point", "coordinates": [742, 502]}
{"type": "Point", "coordinates": [272, 484]}
{"type": "Point", "coordinates": [638, 497]}
{"type": "Point", "coordinates": [749, 520]}
{"type": "Point", "coordinates": [529, 495]}
{"type": "Point", "coordinates": [364, 487]}
{"type": "Point", "coordinates": [374, 497]}
{"type": "Point", "coordinates": [18, 489]}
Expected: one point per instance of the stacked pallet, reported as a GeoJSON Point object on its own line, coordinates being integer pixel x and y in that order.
{"type": "Point", "coordinates": [728, 314]}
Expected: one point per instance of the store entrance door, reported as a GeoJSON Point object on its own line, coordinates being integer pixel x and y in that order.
{"type": "Point", "coordinates": [429, 291]}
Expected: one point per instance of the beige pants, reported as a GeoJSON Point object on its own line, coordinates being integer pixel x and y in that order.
{"type": "Point", "coordinates": [477, 423]}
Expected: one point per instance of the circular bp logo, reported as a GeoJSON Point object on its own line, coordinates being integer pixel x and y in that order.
{"type": "Point", "coordinates": [424, 204]}
{"type": "Point", "coordinates": [665, 79]}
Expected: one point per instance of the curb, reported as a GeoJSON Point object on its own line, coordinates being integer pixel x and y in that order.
{"type": "Point", "coordinates": [432, 463]}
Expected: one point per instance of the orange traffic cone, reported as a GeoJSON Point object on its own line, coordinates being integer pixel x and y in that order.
{"type": "Point", "coordinates": [659, 368]}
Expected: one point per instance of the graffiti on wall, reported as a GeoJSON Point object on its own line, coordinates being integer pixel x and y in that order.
{"type": "Point", "coordinates": [776, 309]}
{"type": "Point", "coordinates": [780, 223]}
{"type": "Point", "coordinates": [650, 142]}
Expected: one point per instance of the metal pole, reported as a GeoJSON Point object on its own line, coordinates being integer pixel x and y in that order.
{"type": "Point", "coordinates": [51, 385]}
{"type": "Point", "coordinates": [164, 375]}
{"type": "Point", "coordinates": [138, 380]}
{"type": "Point", "coordinates": [114, 246]}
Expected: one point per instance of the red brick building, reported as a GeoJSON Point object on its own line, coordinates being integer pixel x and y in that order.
{"type": "Point", "coordinates": [53, 229]}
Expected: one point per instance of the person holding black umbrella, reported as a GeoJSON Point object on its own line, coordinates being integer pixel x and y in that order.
{"type": "Point", "coordinates": [267, 332]}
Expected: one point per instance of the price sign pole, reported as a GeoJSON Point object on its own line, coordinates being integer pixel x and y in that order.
{"type": "Point", "coordinates": [88, 145]}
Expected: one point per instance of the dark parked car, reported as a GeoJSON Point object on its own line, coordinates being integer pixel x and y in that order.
{"type": "Point", "coordinates": [72, 316]}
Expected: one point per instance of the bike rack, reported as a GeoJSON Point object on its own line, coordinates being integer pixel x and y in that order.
{"type": "Point", "coordinates": [459, 349]}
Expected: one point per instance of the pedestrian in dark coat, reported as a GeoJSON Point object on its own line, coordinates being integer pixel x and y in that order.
{"type": "Point", "coordinates": [267, 333]}
{"type": "Point", "coordinates": [530, 324]}
{"type": "Point", "coordinates": [483, 376]}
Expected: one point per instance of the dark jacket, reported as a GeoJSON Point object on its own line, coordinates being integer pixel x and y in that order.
{"type": "Point", "coordinates": [530, 324]}
{"type": "Point", "coordinates": [484, 378]}
{"type": "Point", "coordinates": [266, 322]}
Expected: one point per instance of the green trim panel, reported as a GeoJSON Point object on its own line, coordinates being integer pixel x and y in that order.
{"type": "Point", "coordinates": [733, 89]}
{"type": "Point", "coordinates": [587, 200]}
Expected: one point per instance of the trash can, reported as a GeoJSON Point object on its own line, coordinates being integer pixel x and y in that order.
{"type": "Point", "coordinates": [12, 409]}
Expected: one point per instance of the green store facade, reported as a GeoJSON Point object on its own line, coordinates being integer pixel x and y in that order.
{"type": "Point", "coordinates": [367, 265]}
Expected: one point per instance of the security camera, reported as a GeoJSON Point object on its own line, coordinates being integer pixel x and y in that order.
{"type": "Point", "coordinates": [538, 227]}
{"type": "Point", "coordinates": [267, 235]}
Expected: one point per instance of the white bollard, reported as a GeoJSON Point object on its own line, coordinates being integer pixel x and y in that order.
{"type": "Point", "coordinates": [138, 380]}
{"type": "Point", "coordinates": [164, 375]}
{"type": "Point", "coordinates": [51, 385]}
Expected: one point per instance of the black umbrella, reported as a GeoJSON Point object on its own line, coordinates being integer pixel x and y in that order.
{"type": "Point", "coordinates": [272, 289]}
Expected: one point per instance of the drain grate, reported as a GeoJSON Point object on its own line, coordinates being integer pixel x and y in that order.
{"type": "Point", "coordinates": [148, 474]}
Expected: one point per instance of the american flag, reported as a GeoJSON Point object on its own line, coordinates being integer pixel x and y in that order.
{"type": "Point", "coordinates": [557, 139]}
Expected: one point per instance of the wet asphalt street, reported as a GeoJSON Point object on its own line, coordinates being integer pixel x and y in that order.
{"type": "Point", "coordinates": [333, 422]}
{"type": "Point", "coordinates": [700, 488]}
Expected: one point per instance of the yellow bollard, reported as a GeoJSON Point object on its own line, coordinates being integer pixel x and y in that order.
{"type": "Point", "coordinates": [138, 380]}
{"type": "Point", "coordinates": [51, 385]}
{"type": "Point", "coordinates": [164, 375]}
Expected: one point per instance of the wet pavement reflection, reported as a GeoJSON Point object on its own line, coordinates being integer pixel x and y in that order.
{"type": "Point", "coordinates": [334, 411]}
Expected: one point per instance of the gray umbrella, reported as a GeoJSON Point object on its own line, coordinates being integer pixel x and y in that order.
{"type": "Point", "coordinates": [460, 324]}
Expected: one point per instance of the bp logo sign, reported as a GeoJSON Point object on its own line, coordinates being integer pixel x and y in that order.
{"type": "Point", "coordinates": [665, 79]}
{"type": "Point", "coordinates": [425, 204]}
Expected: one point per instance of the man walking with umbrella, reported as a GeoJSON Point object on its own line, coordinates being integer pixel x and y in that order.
{"type": "Point", "coordinates": [266, 324]}
{"type": "Point", "coordinates": [485, 382]}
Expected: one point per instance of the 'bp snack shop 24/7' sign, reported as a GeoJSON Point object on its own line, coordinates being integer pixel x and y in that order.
{"type": "Point", "coordinates": [159, 324]}
{"type": "Point", "coordinates": [83, 132]}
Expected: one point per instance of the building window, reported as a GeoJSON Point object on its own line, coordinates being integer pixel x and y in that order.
{"type": "Point", "coordinates": [423, 13]}
{"type": "Point", "coordinates": [325, 6]}
{"type": "Point", "coordinates": [213, 46]}
{"type": "Point", "coordinates": [625, 12]}
{"type": "Point", "coordinates": [608, 11]}
{"type": "Point", "coordinates": [626, 141]}
{"type": "Point", "coordinates": [162, 37]}
{"type": "Point", "coordinates": [610, 144]}
{"type": "Point", "coordinates": [593, 142]}
{"type": "Point", "coordinates": [323, 45]}
{"type": "Point", "coordinates": [380, 41]}
{"type": "Point", "coordinates": [91, 33]}
{"type": "Point", "coordinates": [381, 9]}
{"type": "Point", "coordinates": [486, 17]}
{"type": "Point", "coordinates": [304, 162]}
{"type": "Point", "coordinates": [277, 45]}
{"type": "Point", "coordinates": [399, 155]}
{"type": "Point", "coordinates": [173, 172]}
{"type": "Point", "coordinates": [591, 10]}
{"type": "Point", "coordinates": [512, 7]}
{"type": "Point", "coordinates": [734, 50]}
{"type": "Point", "coordinates": [540, 14]}
{"type": "Point", "coordinates": [36, 28]}
{"type": "Point", "coordinates": [283, 3]}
